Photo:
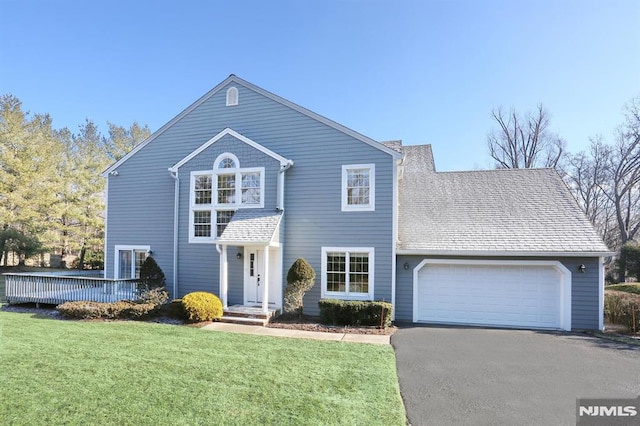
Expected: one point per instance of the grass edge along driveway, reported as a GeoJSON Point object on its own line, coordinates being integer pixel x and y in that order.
{"type": "Point", "coordinates": [126, 373]}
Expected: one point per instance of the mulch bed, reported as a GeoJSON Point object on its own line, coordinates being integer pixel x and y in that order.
{"type": "Point", "coordinates": [307, 323]}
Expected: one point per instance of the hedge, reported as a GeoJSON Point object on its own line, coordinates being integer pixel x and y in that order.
{"type": "Point", "coordinates": [354, 313]}
{"type": "Point", "coordinates": [149, 303]}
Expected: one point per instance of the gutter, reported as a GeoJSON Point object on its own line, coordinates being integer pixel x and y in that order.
{"type": "Point", "coordinates": [176, 210]}
{"type": "Point", "coordinates": [283, 168]}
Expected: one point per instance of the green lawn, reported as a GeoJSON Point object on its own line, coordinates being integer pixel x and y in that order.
{"type": "Point", "coordinates": [135, 373]}
{"type": "Point", "coordinates": [628, 287]}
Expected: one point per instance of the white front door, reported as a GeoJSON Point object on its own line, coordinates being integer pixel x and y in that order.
{"type": "Point", "coordinates": [254, 275]}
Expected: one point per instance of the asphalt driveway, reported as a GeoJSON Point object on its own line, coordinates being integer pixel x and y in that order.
{"type": "Point", "coordinates": [455, 376]}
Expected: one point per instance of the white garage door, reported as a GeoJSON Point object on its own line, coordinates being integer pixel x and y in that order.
{"type": "Point", "coordinates": [528, 296]}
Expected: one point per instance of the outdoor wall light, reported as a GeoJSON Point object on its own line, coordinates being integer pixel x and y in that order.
{"type": "Point", "coordinates": [239, 256]}
{"type": "Point", "coordinates": [114, 173]}
{"type": "Point", "coordinates": [406, 266]}
{"type": "Point", "coordinates": [149, 252]}
{"type": "Point", "coordinates": [582, 268]}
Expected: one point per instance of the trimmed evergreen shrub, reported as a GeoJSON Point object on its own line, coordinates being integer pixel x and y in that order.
{"type": "Point", "coordinates": [202, 306]}
{"type": "Point", "coordinates": [300, 279]}
{"type": "Point", "coordinates": [151, 276]}
{"type": "Point", "coordinates": [124, 309]}
{"type": "Point", "coordinates": [353, 313]}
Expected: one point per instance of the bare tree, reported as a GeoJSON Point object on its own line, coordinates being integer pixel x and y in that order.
{"type": "Point", "coordinates": [526, 141]}
{"type": "Point", "coordinates": [625, 191]}
{"type": "Point", "coordinates": [588, 177]}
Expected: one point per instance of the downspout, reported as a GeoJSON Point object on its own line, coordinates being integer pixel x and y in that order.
{"type": "Point", "coordinates": [283, 168]}
{"type": "Point", "coordinates": [176, 210]}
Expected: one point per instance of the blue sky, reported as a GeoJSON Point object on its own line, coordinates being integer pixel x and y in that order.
{"type": "Point", "coordinates": [421, 71]}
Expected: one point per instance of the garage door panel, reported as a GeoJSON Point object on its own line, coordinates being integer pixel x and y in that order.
{"type": "Point", "coordinates": [509, 295]}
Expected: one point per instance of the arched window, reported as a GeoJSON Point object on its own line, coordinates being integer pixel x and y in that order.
{"type": "Point", "coordinates": [226, 161]}
{"type": "Point", "coordinates": [232, 96]}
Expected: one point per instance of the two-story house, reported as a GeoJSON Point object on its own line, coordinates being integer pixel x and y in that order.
{"type": "Point", "coordinates": [229, 193]}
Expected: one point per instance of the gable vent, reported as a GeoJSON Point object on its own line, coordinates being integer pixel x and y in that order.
{"type": "Point", "coordinates": [232, 96]}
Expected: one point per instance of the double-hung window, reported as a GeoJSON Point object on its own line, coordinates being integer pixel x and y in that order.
{"type": "Point", "coordinates": [217, 193]}
{"type": "Point", "coordinates": [358, 187]}
{"type": "Point", "coordinates": [347, 273]}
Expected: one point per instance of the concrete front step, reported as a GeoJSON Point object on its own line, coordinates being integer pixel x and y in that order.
{"type": "Point", "coordinates": [249, 315]}
{"type": "Point", "coordinates": [234, 319]}
{"type": "Point", "coordinates": [260, 315]}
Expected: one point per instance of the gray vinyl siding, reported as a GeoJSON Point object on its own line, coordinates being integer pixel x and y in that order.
{"type": "Point", "coordinates": [144, 193]}
{"type": "Point", "coordinates": [584, 288]}
{"type": "Point", "coordinates": [199, 263]}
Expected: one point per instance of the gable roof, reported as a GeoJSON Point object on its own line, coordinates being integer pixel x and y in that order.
{"type": "Point", "coordinates": [500, 212]}
{"type": "Point", "coordinates": [283, 161]}
{"type": "Point", "coordinates": [237, 80]}
{"type": "Point", "coordinates": [250, 226]}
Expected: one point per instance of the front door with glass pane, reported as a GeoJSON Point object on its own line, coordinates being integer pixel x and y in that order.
{"type": "Point", "coordinates": [254, 275]}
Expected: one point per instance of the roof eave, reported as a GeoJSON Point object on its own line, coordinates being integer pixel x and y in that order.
{"type": "Point", "coordinates": [484, 253]}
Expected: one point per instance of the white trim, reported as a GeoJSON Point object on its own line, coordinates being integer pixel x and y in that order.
{"type": "Point", "coordinates": [201, 207]}
{"type": "Point", "coordinates": [565, 280]}
{"type": "Point", "coordinates": [233, 79]}
{"type": "Point", "coordinates": [236, 135]}
{"type": "Point", "coordinates": [324, 294]}
{"type": "Point", "coordinates": [238, 204]}
{"type": "Point", "coordinates": [427, 252]}
{"type": "Point", "coordinates": [601, 293]}
{"type": "Point", "coordinates": [176, 228]}
{"type": "Point", "coordinates": [121, 247]}
{"type": "Point", "coordinates": [372, 188]}
{"type": "Point", "coordinates": [232, 96]}
{"type": "Point", "coordinates": [222, 157]}
{"type": "Point", "coordinates": [224, 283]}
{"type": "Point", "coordinates": [106, 222]}
{"type": "Point", "coordinates": [394, 237]}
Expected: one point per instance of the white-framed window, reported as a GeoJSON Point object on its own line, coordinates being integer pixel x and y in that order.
{"type": "Point", "coordinates": [348, 272]}
{"type": "Point", "coordinates": [217, 193]}
{"type": "Point", "coordinates": [358, 187]}
{"type": "Point", "coordinates": [129, 260]}
{"type": "Point", "coordinates": [232, 96]}
{"type": "Point", "coordinates": [223, 217]}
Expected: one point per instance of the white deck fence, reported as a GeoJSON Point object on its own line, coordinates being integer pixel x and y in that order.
{"type": "Point", "coordinates": [63, 287]}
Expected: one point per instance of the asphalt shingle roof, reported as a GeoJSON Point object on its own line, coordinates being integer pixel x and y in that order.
{"type": "Point", "coordinates": [523, 210]}
{"type": "Point", "coordinates": [251, 226]}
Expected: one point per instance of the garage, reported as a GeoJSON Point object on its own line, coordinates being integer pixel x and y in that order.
{"type": "Point", "coordinates": [501, 293]}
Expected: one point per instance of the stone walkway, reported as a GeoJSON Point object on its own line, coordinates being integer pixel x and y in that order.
{"type": "Point", "coordinates": [375, 339]}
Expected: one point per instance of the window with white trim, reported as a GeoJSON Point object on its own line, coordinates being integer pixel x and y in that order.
{"type": "Point", "coordinates": [129, 260]}
{"type": "Point", "coordinates": [217, 193]}
{"type": "Point", "coordinates": [232, 96]}
{"type": "Point", "coordinates": [223, 217]}
{"type": "Point", "coordinates": [358, 187]}
{"type": "Point", "coordinates": [347, 273]}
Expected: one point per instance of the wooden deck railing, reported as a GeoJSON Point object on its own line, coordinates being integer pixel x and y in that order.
{"type": "Point", "coordinates": [59, 288]}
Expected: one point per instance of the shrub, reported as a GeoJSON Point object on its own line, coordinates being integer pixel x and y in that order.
{"type": "Point", "coordinates": [367, 313]}
{"type": "Point", "coordinates": [624, 309]}
{"type": "Point", "coordinates": [156, 296]}
{"type": "Point", "coordinates": [151, 276]}
{"type": "Point", "coordinates": [124, 309]}
{"type": "Point", "coordinates": [174, 309]}
{"type": "Point", "coordinates": [202, 306]}
{"type": "Point", "coordinates": [300, 279]}
{"type": "Point", "coordinates": [148, 304]}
